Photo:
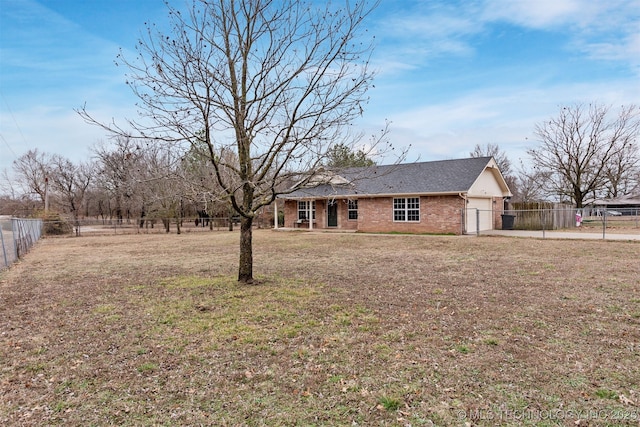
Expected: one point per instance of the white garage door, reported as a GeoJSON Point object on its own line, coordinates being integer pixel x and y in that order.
{"type": "Point", "coordinates": [479, 211]}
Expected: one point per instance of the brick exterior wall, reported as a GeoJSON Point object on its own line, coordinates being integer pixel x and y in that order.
{"type": "Point", "coordinates": [441, 214]}
{"type": "Point", "coordinates": [438, 214]}
{"type": "Point", "coordinates": [498, 210]}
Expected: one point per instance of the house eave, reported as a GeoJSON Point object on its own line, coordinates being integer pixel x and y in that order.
{"type": "Point", "coordinates": [371, 196]}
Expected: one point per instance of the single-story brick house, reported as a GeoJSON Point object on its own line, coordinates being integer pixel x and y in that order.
{"type": "Point", "coordinates": [449, 196]}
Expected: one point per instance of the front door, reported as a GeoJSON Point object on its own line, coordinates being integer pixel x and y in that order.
{"type": "Point", "coordinates": [332, 213]}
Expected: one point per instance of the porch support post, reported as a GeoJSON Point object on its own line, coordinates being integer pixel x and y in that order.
{"type": "Point", "coordinates": [275, 214]}
{"type": "Point", "coordinates": [310, 214]}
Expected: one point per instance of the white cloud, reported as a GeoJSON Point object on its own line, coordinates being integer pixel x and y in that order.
{"type": "Point", "coordinates": [585, 15]}
{"type": "Point", "coordinates": [428, 109]}
{"type": "Point", "coordinates": [410, 36]}
{"type": "Point", "coordinates": [415, 35]}
{"type": "Point", "coordinates": [624, 49]}
{"type": "Point", "coordinates": [504, 115]}
{"type": "Point", "coordinates": [585, 22]}
{"type": "Point", "coordinates": [52, 67]}
{"type": "Point", "coordinates": [534, 14]}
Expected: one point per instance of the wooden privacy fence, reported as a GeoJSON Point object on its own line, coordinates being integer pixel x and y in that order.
{"type": "Point", "coordinates": [542, 216]}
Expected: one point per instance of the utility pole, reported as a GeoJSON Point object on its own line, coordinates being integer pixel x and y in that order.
{"type": "Point", "coordinates": [46, 195]}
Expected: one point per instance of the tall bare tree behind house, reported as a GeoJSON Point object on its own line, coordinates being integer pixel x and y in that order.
{"type": "Point", "coordinates": [580, 148]}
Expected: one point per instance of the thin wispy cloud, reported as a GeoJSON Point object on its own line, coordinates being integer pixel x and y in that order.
{"type": "Point", "coordinates": [52, 58]}
{"type": "Point", "coordinates": [415, 34]}
{"type": "Point", "coordinates": [541, 14]}
{"type": "Point", "coordinates": [586, 23]}
{"type": "Point", "coordinates": [623, 49]}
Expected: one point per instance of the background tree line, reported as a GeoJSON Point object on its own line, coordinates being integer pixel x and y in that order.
{"type": "Point", "coordinates": [585, 152]}
{"type": "Point", "coordinates": [133, 182]}
{"type": "Point", "coordinates": [126, 181]}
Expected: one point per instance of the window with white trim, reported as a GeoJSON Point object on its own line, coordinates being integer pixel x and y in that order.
{"type": "Point", "coordinates": [406, 209]}
{"type": "Point", "coordinates": [352, 209]}
{"type": "Point", "coordinates": [303, 210]}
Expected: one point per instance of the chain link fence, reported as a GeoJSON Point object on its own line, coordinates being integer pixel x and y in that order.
{"type": "Point", "coordinates": [17, 236]}
{"type": "Point", "coordinates": [566, 219]}
{"type": "Point", "coordinates": [92, 227]}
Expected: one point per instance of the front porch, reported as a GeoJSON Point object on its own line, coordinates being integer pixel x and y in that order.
{"type": "Point", "coordinates": [319, 230]}
{"type": "Point", "coordinates": [304, 223]}
{"type": "Point", "coordinates": [325, 214]}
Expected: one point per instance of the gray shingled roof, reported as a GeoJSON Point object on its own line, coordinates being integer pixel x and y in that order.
{"type": "Point", "coordinates": [631, 199]}
{"type": "Point", "coordinates": [444, 176]}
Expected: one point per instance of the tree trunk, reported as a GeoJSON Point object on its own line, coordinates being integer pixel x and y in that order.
{"type": "Point", "coordinates": [245, 271]}
{"type": "Point", "coordinates": [142, 215]}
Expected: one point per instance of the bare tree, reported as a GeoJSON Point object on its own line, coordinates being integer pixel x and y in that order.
{"type": "Point", "coordinates": [529, 185]}
{"type": "Point", "coordinates": [7, 186]}
{"type": "Point", "coordinates": [70, 183]}
{"type": "Point", "coordinates": [159, 177]}
{"type": "Point", "coordinates": [119, 167]}
{"type": "Point", "coordinates": [622, 172]}
{"type": "Point", "coordinates": [275, 82]}
{"type": "Point", "coordinates": [579, 145]}
{"type": "Point", "coordinates": [493, 150]}
{"type": "Point", "coordinates": [32, 170]}
{"type": "Point", "coordinates": [206, 193]}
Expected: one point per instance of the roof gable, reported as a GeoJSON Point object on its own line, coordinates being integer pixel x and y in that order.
{"type": "Point", "coordinates": [490, 181]}
{"type": "Point", "coordinates": [437, 177]}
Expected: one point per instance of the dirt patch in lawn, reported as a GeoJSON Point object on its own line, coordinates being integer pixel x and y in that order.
{"type": "Point", "coordinates": [344, 329]}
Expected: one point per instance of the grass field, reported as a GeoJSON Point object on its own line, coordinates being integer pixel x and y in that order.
{"type": "Point", "coordinates": [344, 329]}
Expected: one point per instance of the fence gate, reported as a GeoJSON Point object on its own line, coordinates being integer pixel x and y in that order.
{"type": "Point", "coordinates": [479, 215]}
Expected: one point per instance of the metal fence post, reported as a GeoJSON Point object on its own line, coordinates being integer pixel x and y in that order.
{"type": "Point", "coordinates": [4, 250]}
{"type": "Point", "coordinates": [16, 238]}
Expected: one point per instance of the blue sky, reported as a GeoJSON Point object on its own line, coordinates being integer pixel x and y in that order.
{"type": "Point", "coordinates": [451, 74]}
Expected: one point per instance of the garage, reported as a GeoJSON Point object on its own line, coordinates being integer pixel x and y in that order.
{"type": "Point", "coordinates": [479, 211]}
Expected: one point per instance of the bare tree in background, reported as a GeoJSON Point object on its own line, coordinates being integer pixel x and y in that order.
{"type": "Point", "coordinates": [493, 150]}
{"type": "Point", "coordinates": [276, 82]}
{"type": "Point", "coordinates": [622, 172]}
{"type": "Point", "coordinates": [578, 147]}
{"type": "Point", "coordinates": [201, 189]}
{"type": "Point", "coordinates": [70, 183]}
{"type": "Point", "coordinates": [501, 158]}
{"type": "Point", "coordinates": [32, 170]}
{"type": "Point", "coordinates": [7, 187]}
{"type": "Point", "coordinates": [159, 177]}
{"type": "Point", "coordinates": [13, 199]}
{"type": "Point", "coordinates": [529, 185]}
{"type": "Point", "coordinates": [120, 165]}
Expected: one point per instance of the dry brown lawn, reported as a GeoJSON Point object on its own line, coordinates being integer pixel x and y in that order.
{"type": "Point", "coordinates": [344, 329]}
